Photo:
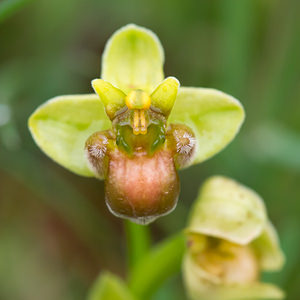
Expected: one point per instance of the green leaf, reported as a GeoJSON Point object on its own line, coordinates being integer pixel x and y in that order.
{"type": "Point", "coordinates": [215, 118]}
{"type": "Point", "coordinates": [133, 59]}
{"type": "Point", "coordinates": [158, 265]}
{"type": "Point", "coordinates": [268, 249]}
{"type": "Point", "coordinates": [61, 126]}
{"type": "Point", "coordinates": [228, 210]}
{"type": "Point", "coordinates": [110, 287]}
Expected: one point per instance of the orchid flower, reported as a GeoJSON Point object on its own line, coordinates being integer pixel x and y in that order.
{"type": "Point", "coordinates": [230, 242]}
{"type": "Point", "coordinates": [138, 129]}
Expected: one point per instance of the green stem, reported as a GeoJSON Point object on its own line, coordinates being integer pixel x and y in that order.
{"type": "Point", "coordinates": [157, 266]}
{"type": "Point", "coordinates": [138, 242]}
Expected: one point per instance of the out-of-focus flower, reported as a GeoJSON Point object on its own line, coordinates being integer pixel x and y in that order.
{"type": "Point", "coordinates": [230, 242]}
{"type": "Point", "coordinates": [142, 131]}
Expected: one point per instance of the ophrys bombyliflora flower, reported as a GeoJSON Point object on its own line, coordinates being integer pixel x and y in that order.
{"type": "Point", "coordinates": [142, 131]}
{"type": "Point", "coordinates": [230, 242]}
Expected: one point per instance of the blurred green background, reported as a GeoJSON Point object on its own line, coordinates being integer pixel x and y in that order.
{"type": "Point", "coordinates": [56, 233]}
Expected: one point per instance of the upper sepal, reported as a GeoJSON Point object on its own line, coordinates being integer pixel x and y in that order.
{"type": "Point", "coordinates": [133, 59]}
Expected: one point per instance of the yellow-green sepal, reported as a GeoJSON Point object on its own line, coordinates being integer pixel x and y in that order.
{"type": "Point", "coordinates": [61, 126]}
{"type": "Point", "coordinates": [133, 59]}
{"type": "Point", "coordinates": [228, 210]}
{"type": "Point", "coordinates": [215, 118]}
{"type": "Point", "coordinates": [267, 247]}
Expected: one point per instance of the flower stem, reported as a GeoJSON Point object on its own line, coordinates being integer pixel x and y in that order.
{"type": "Point", "coordinates": [159, 264]}
{"type": "Point", "coordinates": [138, 242]}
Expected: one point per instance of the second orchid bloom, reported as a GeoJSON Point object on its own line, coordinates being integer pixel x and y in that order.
{"type": "Point", "coordinates": [230, 242]}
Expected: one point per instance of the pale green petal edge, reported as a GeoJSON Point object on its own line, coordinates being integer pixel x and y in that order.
{"type": "Point", "coordinates": [228, 210]}
{"type": "Point", "coordinates": [202, 285]}
{"type": "Point", "coordinates": [138, 65]}
{"type": "Point", "coordinates": [61, 126]}
{"type": "Point", "coordinates": [215, 118]}
{"type": "Point", "coordinates": [268, 249]}
{"type": "Point", "coordinates": [109, 287]}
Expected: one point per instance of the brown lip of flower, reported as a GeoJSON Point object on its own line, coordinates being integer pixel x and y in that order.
{"type": "Point", "coordinates": [142, 188]}
{"type": "Point", "coordinates": [140, 170]}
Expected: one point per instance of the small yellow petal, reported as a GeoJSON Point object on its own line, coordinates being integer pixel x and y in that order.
{"type": "Point", "coordinates": [165, 95]}
{"type": "Point", "coordinates": [111, 97]}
